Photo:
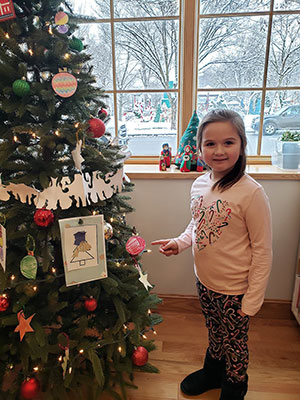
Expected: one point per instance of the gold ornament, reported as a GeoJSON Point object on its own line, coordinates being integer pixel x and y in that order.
{"type": "Point", "coordinates": [108, 231]}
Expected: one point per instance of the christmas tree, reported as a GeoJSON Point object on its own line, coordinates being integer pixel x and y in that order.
{"type": "Point", "coordinates": [74, 302]}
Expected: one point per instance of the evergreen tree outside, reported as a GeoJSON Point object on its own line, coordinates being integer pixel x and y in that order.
{"type": "Point", "coordinates": [80, 339]}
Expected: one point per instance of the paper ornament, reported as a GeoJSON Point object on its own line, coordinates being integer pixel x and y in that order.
{"type": "Point", "coordinates": [24, 324]}
{"type": "Point", "coordinates": [7, 10]}
{"type": "Point", "coordinates": [83, 249]}
{"type": "Point", "coordinates": [61, 18]}
{"type": "Point", "coordinates": [64, 84]}
{"type": "Point", "coordinates": [135, 245]}
{"type": "Point", "coordinates": [85, 189]}
{"type": "Point", "coordinates": [64, 364]}
{"type": "Point", "coordinates": [144, 279]}
{"type": "Point", "coordinates": [77, 157]}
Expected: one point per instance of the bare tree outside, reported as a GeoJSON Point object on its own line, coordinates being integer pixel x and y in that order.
{"type": "Point", "coordinates": [231, 54]}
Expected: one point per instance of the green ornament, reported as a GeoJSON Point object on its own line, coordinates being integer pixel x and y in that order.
{"type": "Point", "coordinates": [20, 87]}
{"type": "Point", "coordinates": [76, 44]}
{"type": "Point", "coordinates": [28, 267]}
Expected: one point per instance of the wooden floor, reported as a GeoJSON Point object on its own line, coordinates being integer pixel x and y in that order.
{"type": "Point", "coordinates": [274, 344]}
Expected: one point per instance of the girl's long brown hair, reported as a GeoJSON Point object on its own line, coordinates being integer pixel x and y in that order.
{"type": "Point", "coordinates": [223, 115]}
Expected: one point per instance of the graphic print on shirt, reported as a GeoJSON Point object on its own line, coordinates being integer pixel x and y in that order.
{"type": "Point", "coordinates": [209, 221]}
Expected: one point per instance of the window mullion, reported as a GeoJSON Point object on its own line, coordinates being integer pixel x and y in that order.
{"type": "Point", "coordinates": [188, 62]}
{"type": "Point", "coordinates": [263, 98]}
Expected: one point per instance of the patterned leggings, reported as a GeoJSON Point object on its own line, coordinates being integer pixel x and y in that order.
{"type": "Point", "coordinates": [227, 331]}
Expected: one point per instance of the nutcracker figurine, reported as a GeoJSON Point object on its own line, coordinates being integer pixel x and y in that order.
{"type": "Point", "coordinates": [166, 153]}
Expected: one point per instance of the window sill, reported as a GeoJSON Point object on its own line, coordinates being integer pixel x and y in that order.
{"type": "Point", "coordinates": [262, 172]}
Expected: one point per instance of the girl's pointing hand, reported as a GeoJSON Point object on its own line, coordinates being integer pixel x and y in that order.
{"type": "Point", "coordinates": [168, 247]}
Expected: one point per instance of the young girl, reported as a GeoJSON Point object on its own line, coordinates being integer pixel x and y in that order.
{"type": "Point", "coordinates": [230, 235]}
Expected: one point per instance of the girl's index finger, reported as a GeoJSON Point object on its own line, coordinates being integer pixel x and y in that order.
{"type": "Point", "coordinates": [159, 242]}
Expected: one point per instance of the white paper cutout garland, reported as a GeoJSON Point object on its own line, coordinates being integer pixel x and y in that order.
{"type": "Point", "coordinates": [85, 190]}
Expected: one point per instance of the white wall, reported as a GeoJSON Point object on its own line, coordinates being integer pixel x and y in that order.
{"type": "Point", "coordinates": [162, 211]}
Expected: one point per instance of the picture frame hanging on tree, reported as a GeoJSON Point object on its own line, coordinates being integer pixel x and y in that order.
{"type": "Point", "coordinates": [83, 249]}
{"type": "Point", "coordinates": [7, 10]}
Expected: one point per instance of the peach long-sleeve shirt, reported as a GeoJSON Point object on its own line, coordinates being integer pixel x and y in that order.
{"type": "Point", "coordinates": [231, 238]}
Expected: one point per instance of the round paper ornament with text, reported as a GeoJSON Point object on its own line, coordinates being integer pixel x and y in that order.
{"type": "Point", "coordinates": [64, 84]}
{"type": "Point", "coordinates": [135, 245]}
{"type": "Point", "coordinates": [61, 18]}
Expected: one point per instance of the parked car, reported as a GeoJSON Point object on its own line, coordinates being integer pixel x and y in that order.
{"type": "Point", "coordinates": [286, 118]}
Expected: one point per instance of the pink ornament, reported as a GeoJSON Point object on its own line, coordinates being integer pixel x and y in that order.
{"type": "Point", "coordinates": [97, 127]}
{"type": "Point", "coordinates": [135, 245]}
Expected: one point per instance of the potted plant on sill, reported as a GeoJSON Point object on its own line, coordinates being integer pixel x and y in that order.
{"type": "Point", "coordinates": [290, 149]}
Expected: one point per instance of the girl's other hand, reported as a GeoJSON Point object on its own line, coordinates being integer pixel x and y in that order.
{"type": "Point", "coordinates": [168, 247]}
{"type": "Point", "coordinates": [242, 313]}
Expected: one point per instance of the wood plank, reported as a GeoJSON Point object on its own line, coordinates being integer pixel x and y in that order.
{"type": "Point", "coordinates": [181, 340]}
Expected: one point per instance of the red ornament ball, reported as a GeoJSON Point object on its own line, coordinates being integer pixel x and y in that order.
{"type": "Point", "coordinates": [90, 304]}
{"type": "Point", "coordinates": [103, 111]}
{"type": "Point", "coordinates": [140, 356]}
{"type": "Point", "coordinates": [97, 127]}
{"type": "Point", "coordinates": [135, 245]}
{"type": "Point", "coordinates": [43, 217]}
{"type": "Point", "coordinates": [30, 388]}
{"type": "Point", "coordinates": [4, 302]}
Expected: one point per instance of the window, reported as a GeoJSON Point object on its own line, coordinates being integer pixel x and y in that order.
{"type": "Point", "coordinates": [249, 61]}
{"type": "Point", "coordinates": [158, 60]}
{"type": "Point", "coordinates": [135, 47]}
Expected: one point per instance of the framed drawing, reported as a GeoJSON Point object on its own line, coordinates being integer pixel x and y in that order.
{"type": "Point", "coordinates": [83, 249]}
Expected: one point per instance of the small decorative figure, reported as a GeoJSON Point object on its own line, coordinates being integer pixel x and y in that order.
{"type": "Point", "coordinates": [200, 164]}
{"type": "Point", "coordinates": [166, 153]}
{"type": "Point", "coordinates": [185, 165]}
{"type": "Point", "coordinates": [162, 164]}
